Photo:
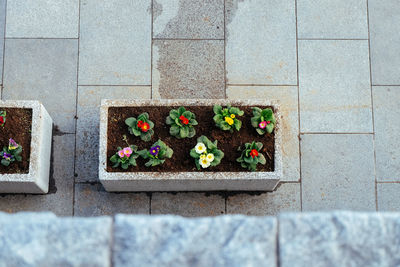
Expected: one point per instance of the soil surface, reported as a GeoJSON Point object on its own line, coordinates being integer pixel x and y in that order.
{"type": "Point", "coordinates": [181, 160]}
{"type": "Point", "coordinates": [18, 127]}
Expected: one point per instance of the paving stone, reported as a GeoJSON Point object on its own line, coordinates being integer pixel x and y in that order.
{"type": "Point", "coordinates": [177, 241]}
{"type": "Point", "coordinates": [339, 239]}
{"type": "Point", "coordinates": [334, 85]}
{"type": "Point", "coordinates": [388, 196]}
{"type": "Point", "coordinates": [332, 19]}
{"type": "Point", "coordinates": [188, 69]}
{"type": "Point", "coordinates": [2, 28]}
{"type": "Point", "coordinates": [115, 42]}
{"type": "Point", "coordinates": [93, 200]}
{"type": "Point", "coordinates": [261, 42]}
{"type": "Point", "coordinates": [288, 98]}
{"type": "Point", "coordinates": [44, 70]}
{"type": "Point", "coordinates": [337, 172]}
{"type": "Point", "coordinates": [285, 198]}
{"type": "Point", "coordinates": [188, 19]}
{"type": "Point", "coordinates": [89, 98]}
{"type": "Point", "coordinates": [60, 197]}
{"type": "Point", "coordinates": [43, 18]}
{"type": "Point", "coordinates": [187, 204]}
{"type": "Point", "coordinates": [384, 25]}
{"type": "Point", "coordinates": [387, 132]}
{"type": "Point", "coordinates": [32, 239]}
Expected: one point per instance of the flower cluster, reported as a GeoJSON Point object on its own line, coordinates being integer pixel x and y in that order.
{"type": "Point", "coordinates": [251, 156]}
{"type": "Point", "coordinates": [182, 122]}
{"type": "Point", "coordinates": [157, 154]}
{"type": "Point", "coordinates": [226, 118]}
{"type": "Point", "coordinates": [141, 126]}
{"type": "Point", "coordinates": [206, 153]}
{"type": "Point", "coordinates": [11, 153]}
{"type": "Point", "coordinates": [263, 120]}
{"type": "Point", "coordinates": [125, 156]}
{"type": "Point", "coordinates": [3, 115]}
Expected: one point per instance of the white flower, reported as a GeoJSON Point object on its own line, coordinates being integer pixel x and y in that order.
{"type": "Point", "coordinates": [210, 157]}
{"type": "Point", "coordinates": [200, 148]}
{"type": "Point", "coordinates": [204, 163]}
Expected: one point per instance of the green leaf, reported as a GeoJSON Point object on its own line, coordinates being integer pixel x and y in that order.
{"type": "Point", "coordinates": [234, 110]}
{"type": "Point", "coordinates": [270, 128]}
{"type": "Point", "coordinates": [181, 110]}
{"type": "Point", "coordinates": [146, 137]}
{"type": "Point", "coordinates": [237, 124]}
{"type": "Point", "coordinates": [255, 121]}
{"type": "Point", "coordinates": [260, 131]}
{"type": "Point", "coordinates": [259, 145]}
{"type": "Point", "coordinates": [135, 131]}
{"type": "Point", "coordinates": [174, 114]}
{"type": "Point", "coordinates": [144, 153]}
{"type": "Point", "coordinates": [193, 122]}
{"type": "Point", "coordinates": [241, 113]}
{"type": "Point", "coordinates": [5, 162]}
{"type": "Point", "coordinates": [131, 122]}
{"type": "Point", "coordinates": [114, 158]}
{"type": "Point", "coordinates": [169, 120]}
{"type": "Point", "coordinates": [257, 111]}
{"type": "Point", "coordinates": [125, 165]}
{"type": "Point", "coordinates": [240, 159]}
{"type": "Point", "coordinates": [196, 162]}
{"type": "Point", "coordinates": [132, 161]}
{"type": "Point", "coordinates": [174, 130]}
{"type": "Point", "coordinates": [267, 113]}
{"type": "Point", "coordinates": [187, 114]}
{"type": "Point", "coordinates": [218, 118]}
{"type": "Point", "coordinates": [194, 154]}
{"type": "Point", "coordinates": [224, 126]}
{"type": "Point", "coordinates": [151, 124]}
{"type": "Point", "coordinates": [116, 164]}
{"type": "Point", "coordinates": [217, 109]}
{"type": "Point", "coordinates": [184, 132]}
{"type": "Point", "coordinates": [169, 152]}
{"type": "Point", "coordinates": [149, 163]}
{"type": "Point", "coordinates": [192, 132]}
{"type": "Point", "coordinates": [261, 159]}
{"type": "Point", "coordinates": [249, 159]}
{"type": "Point", "coordinates": [178, 122]}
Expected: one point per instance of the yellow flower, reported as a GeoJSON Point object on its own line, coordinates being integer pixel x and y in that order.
{"type": "Point", "coordinates": [232, 116]}
{"type": "Point", "coordinates": [203, 156]}
{"type": "Point", "coordinates": [229, 120]}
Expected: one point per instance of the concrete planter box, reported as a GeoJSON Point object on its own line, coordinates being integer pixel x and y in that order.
{"type": "Point", "coordinates": [36, 181]}
{"type": "Point", "coordinates": [186, 181]}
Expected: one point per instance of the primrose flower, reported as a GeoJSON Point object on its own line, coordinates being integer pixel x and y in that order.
{"type": "Point", "coordinates": [233, 116]}
{"type": "Point", "coordinates": [203, 156]}
{"type": "Point", "coordinates": [200, 148]}
{"type": "Point", "coordinates": [12, 144]}
{"type": "Point", "coordinates": [154, 151]}
{"type": "Point", "coordinates": [210, 157]}
{"type": "Point", "coordinates": [254, 153]}
{"type": "Point", "coordinates": [229, 120]}
{"type": "Point", "coordinates": [121, 153]}
{"type": "Point", "coordinates": [7, 156]}
{"type": "Point", "coordinates": [262, 124]}
{"type": "Point", "coordinates": [157, 148]}
{"type": "Point", "coordinates": [268, 122]}
{"type": "Point", "coordinates": [1, 119]}
{"type": "Point", "coordinates": [140, 124]}
{"type": "Point", "coordinates": [145, 127]}
{"type": "Point", "coordinates": [204, 163]}
{"type": "Point", "coordinates": [127, 151]}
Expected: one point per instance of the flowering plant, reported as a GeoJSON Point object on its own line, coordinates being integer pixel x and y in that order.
{"type": "Point", "coordinates": [141, 126]}
{"type": "Point", "coordinates": [157, 154]}
{"type": "Point", "coordinates": [226, 118]}
{"type": "Point", "coordinates": [182, 122]}
{"type": "Point", "coordinates": [125, 156]}
{"type": "Point", "coordinates": [11, 153]}
{"type": "Point", "coordinates": [263, 120]}
{"type": "Point", "coordinates": [251, 156]}
{"type": "Point", "coordinates": [3, 115]}
{"type": "Point", "coordinates": [206, 153]}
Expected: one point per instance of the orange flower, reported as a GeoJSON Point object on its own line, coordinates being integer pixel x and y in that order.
{"type": "Point", "coordinates": [145, 127]}
{"type": "Point", "coordinates": [254, 153]}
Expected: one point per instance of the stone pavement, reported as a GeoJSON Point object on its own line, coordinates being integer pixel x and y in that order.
{"type": "Point", "coordinates": [334, 65]}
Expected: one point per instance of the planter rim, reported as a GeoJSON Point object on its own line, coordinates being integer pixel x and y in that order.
{"type": "Point", "coordinates": [245, 176]}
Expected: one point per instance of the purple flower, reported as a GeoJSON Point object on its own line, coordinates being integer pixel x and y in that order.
{"type": "Point", "coordinates": [12, 144]}
{"type": "Point", "coordinates": [7, 156]}
{"type": "Point", "coordinates": [154, 150]}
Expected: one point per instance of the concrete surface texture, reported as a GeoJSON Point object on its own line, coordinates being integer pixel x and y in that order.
{"type": "Point", "coordinates": [333, 65]}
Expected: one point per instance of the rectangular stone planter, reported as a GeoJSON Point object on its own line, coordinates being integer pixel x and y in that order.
{"type": "Point", "coordinates": [36, 181]}
{"type": "Point", "coordinates": [187, 181]}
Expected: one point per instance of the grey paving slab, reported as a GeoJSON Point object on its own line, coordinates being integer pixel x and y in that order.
{"type": "Point", "coordinates": [2, 33]}
{"type": "Point", "coordinates": [93, 200]}
{"type": "Point", "coordinates": [334, 85]}
{"type": "Point", "coordinates": [44, 70]}
{"type": "Point", "coordinates": [285, 198]}
{"type": "Point", "coordinates": [337, 172]}
{"type": "Point", "coordinates": [339, 239]}
{"type": "Point", "coordinates": [288, 98]}
{"type": "Point", "coordinates": [115, 42]}
{"type": "Point", "coordinates": [384, 25]}
{"type": "Point", "coordinates": [388, 196]}
{"type": "Point", "coordinates": [187, 204]}
{"type": "Point", "coordinates": [188, 19]}
{"type": "Point", "coordinates": [332, 19]}
{"type": "Point", "coordinates": [32, 239]}
{"type": "Point", "coordinates": [188, 69]}
{"type": "Point", "coordinates": [60, 197]}
{"type": "Point", "coordinates": [43, 18]}
{"type": "Point", "coordinates": [387, 132]}
{"type": "Point", "coordinates": [176, 241]}
{"type": "Point", "coordinates": [87, 131]}
{"type": "Point", "coordinates": [261, 42]}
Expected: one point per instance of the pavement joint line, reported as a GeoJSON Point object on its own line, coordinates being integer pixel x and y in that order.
{"type": "Point", "coordinates": [4, 51]}
{"type": "Point", "coordinates": [303, 133]}
{"type": "Point", "coordinates": [225, 59]}
{"type": "Point", "coordinates": [120, 85]}
{"type": "Point", "coordinates": [332, 39]}
{"type": "Point", "coordinates": [151, 53]}
{"type": "Point", "coordinates": [388, 182]}
{"type": "Point", "coordinates": [383, 85]}
{"type": "Point", "coordinates": [40, 38]}
{"type": "Point", "coordinates": [254, 84]}
{"type": "Point", "coordinates": [187, 39]}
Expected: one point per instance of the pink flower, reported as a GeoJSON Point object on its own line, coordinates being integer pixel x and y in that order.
{"type": "Point", "coordinates": [127, 151]}
{"type": "Point", "coordinates": [121, 153]}
{"type": "Point", "coordinates": [262, 124]}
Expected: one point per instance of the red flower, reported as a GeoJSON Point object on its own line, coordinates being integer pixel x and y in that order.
{"type": "Point", "coordinates": [268, 122]}
{"type": "Point", "coordinates": [183, 119]}
{"type": "Point", "coordinates": [1, 119]}
{"type": "Point", "coordinates": [254, 153]}
{"type": "Point", "coordinates": [145, 127]}
{"type": "Point", "coordinates": [140, 124]}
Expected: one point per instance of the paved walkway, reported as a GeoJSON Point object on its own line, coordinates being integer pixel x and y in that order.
{"type": "Point", "coordinates": [334, 65]}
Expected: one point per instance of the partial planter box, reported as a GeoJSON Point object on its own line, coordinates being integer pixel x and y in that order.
{"type": "Point", "coordinates": [188, 180]}
{"type": "Point", "coordinates": [35, 179]}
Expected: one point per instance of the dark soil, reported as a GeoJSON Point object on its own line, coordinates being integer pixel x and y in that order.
{"type": "Point", "coordinates": [181, 160]}
{"type": "Point", "coordinates": [18, 127]}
